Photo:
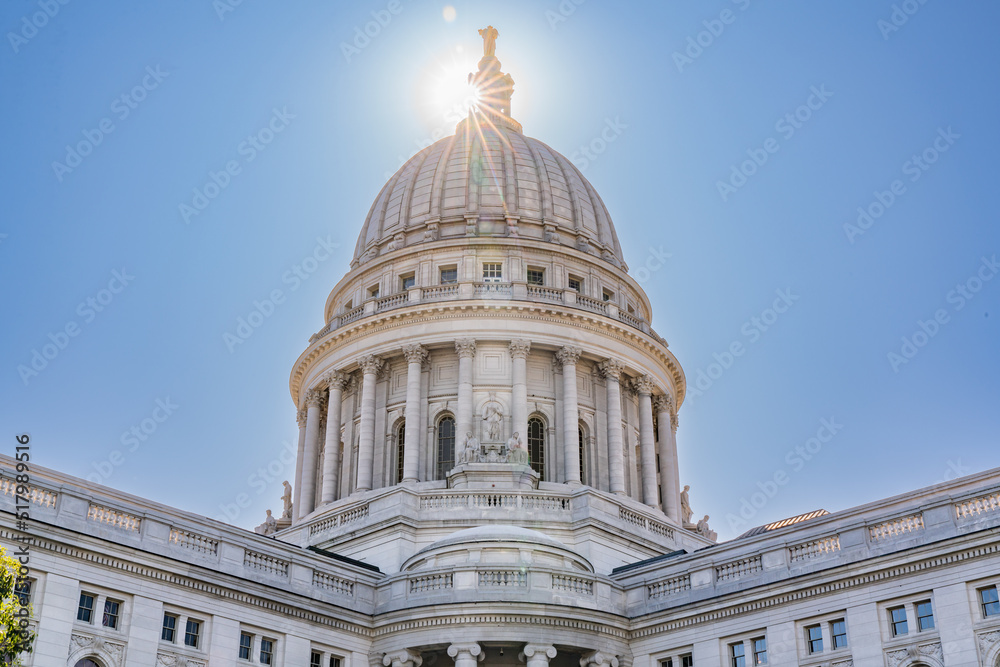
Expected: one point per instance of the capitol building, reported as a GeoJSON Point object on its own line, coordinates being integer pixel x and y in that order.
{"type": "Point", "coordinates": [487, 474]}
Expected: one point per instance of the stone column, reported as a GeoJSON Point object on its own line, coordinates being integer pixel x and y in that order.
{"type": "Point", "coordinates": [467, 654]}
{"type": "Point", "coordinates": [647, 443]}
{"type": "Point", "coordinates": [537, 655]}
{"type": "Point", "coordinates": [370, 367]}
{"type": "Point", "coordinates": [612, 369]}
{"type": "Point", "coordinates": [466, 348]}
{"type": "Point", "coordinates": [519, 387]}
{"type": "Point", "coordinates": [331, 455]}
{"type": "Point", "coordinates": [598, 659]}
{"type": "Point", "coordinates": [402, 658]}
{"type": "Point", "coordinates": [300, 417]}
{"type": "Point", "coordinates": [670, 482]}
{"type": "Point", "coordinates": [307, 498]}
{"type": "Point", "coordinates": [568, 357]}
{"type": "Point", "coordinates": [415, 357]}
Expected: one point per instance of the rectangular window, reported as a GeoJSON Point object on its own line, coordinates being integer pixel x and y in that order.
{"type": "Point", "coordinates": [85, 612]}
{"type": "Point", "coordinates": [169, 631]}
{"type": "Point", "coordinates": [111, 611]}
{"type": "Point", "coordinates": [316, 659]}
{"type": "Point", "coordinates": [334, 661]}
{"type": "Point", "coordinates": [246, 645]}
{"type": "Point", "coordinates": [266, 651]}
{"type": "Point", "coordinates": [408, 281]}
{"type": "Point", "coordinates": [897, 619]}
{"type": "Point", "coordinates": [373, 291]}
{"type": "Point", "coordinates": [738, 654]}
{"type": "Point", "coordinates": [492, 273]}
{"type": "Point", "coordinates": [449, 276]}
{"type": "Point", "coordinates": [575, 283]}
{"type": "Point", "coordinates": [608, 295]}
{"type": "Point", "coordinates": [687, 660]}
{"type": "Point", "coordinates": [22, 589]}
{"type": "Point", "coordinates": [814, 638]}
{"type": "Point", "coordinates": [990, 601]}
{"type": "Point", "coordinates": [838, 634]}
{"type": "Point", "coordinates": [760, 651]}
{"type": "Point", "coordinates": [669, 662]}
{"type": "Point", "coordinates": [536, 277]}
{"type": "Point", "coordinates": [191, 633]}
{"type": "Point", "coordinates": [925, 616]}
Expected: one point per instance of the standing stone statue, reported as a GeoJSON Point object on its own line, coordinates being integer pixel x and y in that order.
{"type": "Point", "coordinates": [286, 499]}
{"type": "Point", "coordinates": [269, 527]}
{"type": "Point", "coordinates": [686, 511]}
{"type": "Point", "coordinates": [493, 416]}
{"type": "Point", "coordinates": [489, 35]}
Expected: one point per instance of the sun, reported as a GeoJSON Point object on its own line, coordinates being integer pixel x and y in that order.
{"type": "Point", "coordinates": [448, 96]}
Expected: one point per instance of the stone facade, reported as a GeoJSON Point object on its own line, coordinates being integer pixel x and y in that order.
{"type": "Point", "coordinates": [487, 472]}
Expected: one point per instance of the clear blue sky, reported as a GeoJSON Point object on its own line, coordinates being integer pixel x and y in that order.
{"type": "Point", "coordinates": [197, 84]}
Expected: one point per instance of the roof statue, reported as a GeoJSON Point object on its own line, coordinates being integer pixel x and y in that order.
{"type": "Point", "coordinates": [489, 35]}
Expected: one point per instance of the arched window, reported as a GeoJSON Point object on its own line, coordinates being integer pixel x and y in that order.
{"type": "Point", "coordinates": [400, 444]}
{"type": "Point", "coordinates": [583, 450]}
{"type": "Point", "coordinates": [445, 446]}
{"type": "Point", "coordinates": [536, 445]}
{"type": "Point", "coordinates": [86, 662]}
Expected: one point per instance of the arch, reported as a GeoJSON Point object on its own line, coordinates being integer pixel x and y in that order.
{"type": "Point", "coordinates": [88, 657]}
{"type": "Point", "coordinates": [444, 439]}
{"type": "Point", "coordinates": [534, 440]}
{"type": "Point", "coordinates": [87, 662]}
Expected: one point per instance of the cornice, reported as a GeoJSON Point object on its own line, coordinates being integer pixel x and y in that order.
{"type": "Point", "coordinates": [451, 310]}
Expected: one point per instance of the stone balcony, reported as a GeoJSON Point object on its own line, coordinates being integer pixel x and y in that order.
{"type": "Point", "coordinates": [503, 291]}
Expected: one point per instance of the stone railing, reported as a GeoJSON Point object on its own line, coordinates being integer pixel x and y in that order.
{"type": "Point", "coordinates": [487, 500]}
{"type": "Point", "coordinates": [352, 315]}
{"type": "Point", "coordinates": [815, 549]}
{"type": "Point", "coordinates": [265, 563]}
{"type": "Point", "coordinates": [492, 290]}
{"type": "Point", "coordinates": [432, 582]}
{"type": "Point", "coordinates": [738, 568]}
{"type": "Point", "coordinates": [503, 578]}
{"type": "Point", "coordinates": [194, 542]}
{"type": "Point", "coordinates": [439, 292]}
{"type": "Point", "coordinates": [385, 303]}
{"type": "Point", "coordinates": [32, 494]}
{"type": "Point", "coordinates": [591, 304]}
{"type": "Point", "coordinates": [630, 319]}
{"type": "Point", "coordinates": [975, 507]}
{"type": "Point", "coordinates": [578, 585]}
{"type": "Point", "coordinates": [330, 582]}
{"type": "Point", "coordinates": [544, 293]}
{"type": "Point", "coordinates": [349, 516]}
{"type": "Point", "coordinates": [667, 587]}
{"type": "Point", "coordinates": [896, 527]}
{"type": "Point", "coordinates": [644, 522]}
{"type": "Point", "coordinates": [114, 518]}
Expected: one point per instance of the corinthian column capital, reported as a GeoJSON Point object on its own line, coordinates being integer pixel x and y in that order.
{"type": "Point", "coordinates": [314, 398]}
{"type": "Point", "coordinates": [415, 354]}
{"type": "Point", "coordinates": [568, 355]}
{"type": "Point", "coordinates": [663, 403]}
{"type": "Point", "coordinates": [370, 364]}
{"type": "Point", "coordinates": [300, 418]}
{"type": "Point", "coordinates": [611, 368]}
{"type": "Point", "coordinates": [519, 348]}
{"type": "Point", "coordinates": [644, 385]}
{"type": "Point", "coordinates": [466, 348]}
{"type": "Point", "coordinates": [336, 379]}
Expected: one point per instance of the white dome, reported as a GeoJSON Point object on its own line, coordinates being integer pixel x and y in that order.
{"type": "Point", "coordinates": [488, 174]}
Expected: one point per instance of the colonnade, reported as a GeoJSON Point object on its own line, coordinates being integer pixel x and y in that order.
{"type": "Point", "coordinates": [470, 654]}
{"type": "Point", "coordinates": [665, 495]}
